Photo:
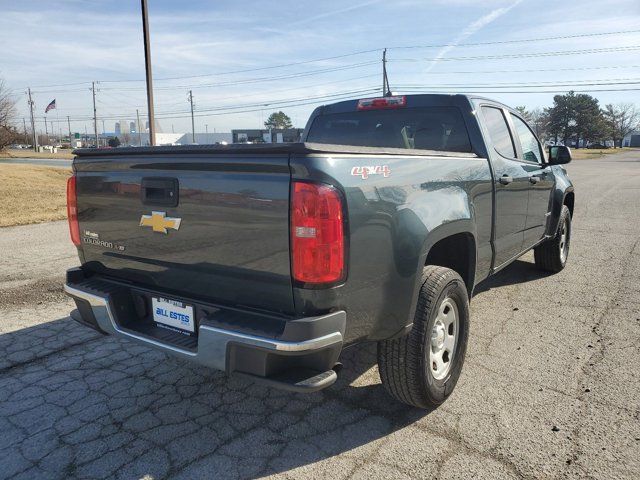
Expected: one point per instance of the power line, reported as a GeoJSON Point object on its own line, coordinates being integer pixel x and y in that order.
{"type": "Point", "coordinates": [426, 90]}
{"type": "Point", "coordinates": [257, 80]}
{"type": "Point", "coordinates": [231, 82]}
{"type": "Point", "coordinates": [522, 55]}
{"type": "Point", "coordinates": [579, 83]}
{"type": "Point", "coordinates": [530, 70]}
{"type": "Point", "coordinates": [521, 40]}
{"type": "Point", "coordinates": [374, 90]}
{"type": "Point", "coordinates": [356, 53]}
{"type": "Point", "coordinates": [257, 69]}
{"type": "Point", "coordinates": [231, 110]}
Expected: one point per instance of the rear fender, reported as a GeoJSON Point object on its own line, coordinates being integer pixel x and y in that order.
{"type": "Point", "coordinates": [447, 215]}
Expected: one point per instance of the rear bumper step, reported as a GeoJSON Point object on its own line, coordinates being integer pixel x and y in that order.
{"type": "Point", "coordinates": [297, 355]}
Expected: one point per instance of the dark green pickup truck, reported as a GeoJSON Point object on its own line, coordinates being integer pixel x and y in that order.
{"type": "Point", "coordinates": [268, 260]}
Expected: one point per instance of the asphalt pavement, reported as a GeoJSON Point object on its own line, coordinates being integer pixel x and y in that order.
{"type": "Point", "coordinates": [49, 162]}
{"type": "Point", "coordinates": [550, 387]}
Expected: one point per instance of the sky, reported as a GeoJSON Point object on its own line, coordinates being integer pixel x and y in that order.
{"type": "Point", "coordinates": [246, 59]}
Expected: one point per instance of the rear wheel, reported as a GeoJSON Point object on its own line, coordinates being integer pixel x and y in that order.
{"type": "Point", "coordinates": [421, 368]}
{"type": "Point", "coordinates": [552, 254]}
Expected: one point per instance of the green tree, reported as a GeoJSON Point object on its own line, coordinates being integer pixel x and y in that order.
{"type": "Point", "coordinates": [114, 142]}
{"type": "Point", "coordinates": [278, 120]}
{"type": "Point", "coordinates": [576, 117]}
{"type": "Point", "coordinates": [590, 123]}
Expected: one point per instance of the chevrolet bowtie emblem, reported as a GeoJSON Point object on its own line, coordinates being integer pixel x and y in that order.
{"type": "Point", "coordinates": [160, 222]}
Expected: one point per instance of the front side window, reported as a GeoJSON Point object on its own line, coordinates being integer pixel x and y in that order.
{"type": "Point", "coordinates": [499, 131]}
{"type": "Point", "coordinates": [530, 147]}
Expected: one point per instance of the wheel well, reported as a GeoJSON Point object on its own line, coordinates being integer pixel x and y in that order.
{"type": "Point", "coordinates": [568, 201]}
{"type": "Point", "coordinates": [457, 252]}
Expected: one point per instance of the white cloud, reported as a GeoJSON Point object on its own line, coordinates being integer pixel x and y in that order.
{"type": "Point", "coordinates": [472, 28]}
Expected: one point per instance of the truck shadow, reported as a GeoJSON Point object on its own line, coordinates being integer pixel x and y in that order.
{"type": "Point", "coordinates": [161, 417]}
{"type": "Point", "coordinates": [520, 271]}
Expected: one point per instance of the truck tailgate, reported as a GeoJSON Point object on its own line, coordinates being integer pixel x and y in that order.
{"type": "Point", "coordinates": [231, 244]}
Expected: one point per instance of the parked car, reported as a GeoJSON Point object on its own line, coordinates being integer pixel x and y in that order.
{"type": "Point", "coordinates": [267, 260]}
{"type": "Point", "coordinates": [598, 146]}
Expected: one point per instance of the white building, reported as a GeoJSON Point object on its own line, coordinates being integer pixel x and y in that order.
{"type": "Point", "coordinates": [181, 138]}
{"type": "Point", "coordinates": [632, 139]}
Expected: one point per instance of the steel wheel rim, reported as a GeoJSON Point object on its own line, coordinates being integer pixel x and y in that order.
{"type": "Point", "coordinates": [443, 341]}
{"type": "Point", "coordinates": [564, 241]}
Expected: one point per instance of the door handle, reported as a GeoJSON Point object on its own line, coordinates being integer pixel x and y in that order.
{"type": "Point", "coordinates": [533, 179]}
{"type": "Point", "coordinates": [505, 179]}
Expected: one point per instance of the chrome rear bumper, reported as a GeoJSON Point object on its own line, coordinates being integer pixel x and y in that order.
{"type": "Point", "coordinates": [235, 351]}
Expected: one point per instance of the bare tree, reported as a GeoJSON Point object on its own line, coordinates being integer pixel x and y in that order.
{"type": "Point", "coordinates": [526, 114]}
{"type": "Point", "coordinates": [621, 120]}
{"type": "Point", "coordinates": [8, 131]}
{"type": "Point", "coordinates": [539, 121]}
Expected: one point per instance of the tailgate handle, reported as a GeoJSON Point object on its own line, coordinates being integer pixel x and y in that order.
{"type": "Point", "coordinates": [162, 192]}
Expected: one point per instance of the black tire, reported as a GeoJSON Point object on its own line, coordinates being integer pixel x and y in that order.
{"type": "Point", "coordinates": [404, 364]}
{"type": "Point", "coordinates": [549, 255]}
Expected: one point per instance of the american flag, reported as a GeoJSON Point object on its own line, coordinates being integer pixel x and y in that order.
{"type": "Point", "coordinates": [51, 106]}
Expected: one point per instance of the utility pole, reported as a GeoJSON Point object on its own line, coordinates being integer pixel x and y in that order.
{"type": "Point", "coordinates": [33, 124]}
{"type": "Point", "coordinates": [193, 125]}
{"type": "Point", "coordinates": [69, 125]}
{"type": "Point", "coordinates": [206, 129]}
{"type": "Point", "coordinates": [95, 117]}
{"type": "Point", "coordinates": [147, 65]}
{"type": "Point", "coordinates": [138, 129]}
{"type": "Point", "coordinates": [386, 91]}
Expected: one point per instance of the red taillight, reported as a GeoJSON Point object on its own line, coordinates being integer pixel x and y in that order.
{"type": "Point", "coordinates": [317, 234]}
{"type": "Point", "coordinates": [382, 103]}
{"type": "Point", "coordinates": [72, 211]}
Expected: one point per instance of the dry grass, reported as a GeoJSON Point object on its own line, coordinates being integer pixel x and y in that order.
{"type": "Point", "coordinates": [32, 194]}
{"type": "Point", "coordinates": [28, 153]}
{"type": "Point", "coordinates": [585, 153]}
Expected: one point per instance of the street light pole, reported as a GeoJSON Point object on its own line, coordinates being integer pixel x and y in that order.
{"type": "Point", "coordinates": [95, 116]}
{"type": "Point", "coordinates": [147, 65]}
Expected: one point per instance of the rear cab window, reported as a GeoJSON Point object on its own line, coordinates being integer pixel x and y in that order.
{"type": "Point", "coordinates": [424, 128]}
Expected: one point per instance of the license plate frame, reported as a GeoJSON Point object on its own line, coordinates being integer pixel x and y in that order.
{"type": "Point", "coordinates": [174, 315]}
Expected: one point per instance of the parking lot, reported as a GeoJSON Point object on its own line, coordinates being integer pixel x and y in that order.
{"type": "Point", "coordinates": [550, 388]}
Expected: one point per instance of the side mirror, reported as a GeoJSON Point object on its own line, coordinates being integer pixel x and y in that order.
{"type": "Point", "coordinates": [559, 154]}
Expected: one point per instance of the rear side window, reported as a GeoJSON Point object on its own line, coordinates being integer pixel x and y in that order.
{"type": "Point", "coordinates": [499, 131]}
{"type": "Point", "coordinates": [530, 147]}
{"type": "Point", "coordinates": [426, 128]}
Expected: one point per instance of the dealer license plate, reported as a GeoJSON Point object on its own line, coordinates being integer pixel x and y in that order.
{"type": "Point", "coordinates": [174, 314]}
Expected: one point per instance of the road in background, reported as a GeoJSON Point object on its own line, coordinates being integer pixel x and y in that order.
{"type": "Point", "coordinates": [550, 388]}
{"type": "Point", "coordinates": [50, 162]}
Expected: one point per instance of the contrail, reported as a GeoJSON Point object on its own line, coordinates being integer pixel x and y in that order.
{"type": "Point", "coordinates": [335, 12]}
{"type": "Point", "coordinates": [471, 29]}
